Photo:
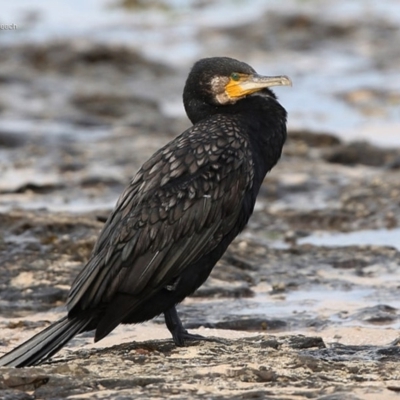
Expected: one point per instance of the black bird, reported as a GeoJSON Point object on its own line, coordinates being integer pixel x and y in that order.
{"type": "Point", "coordinates": [180, 212]}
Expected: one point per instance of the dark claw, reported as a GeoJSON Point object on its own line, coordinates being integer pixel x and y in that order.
{"type": "Point", "coordinates": [181, 337]}
{"type": "Point", "coordinates": [179, 334]}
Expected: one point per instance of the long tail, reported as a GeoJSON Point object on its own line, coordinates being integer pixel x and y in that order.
{"type": "Point", "coordinates": [44, 344]}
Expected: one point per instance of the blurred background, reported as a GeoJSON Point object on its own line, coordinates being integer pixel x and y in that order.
{"type": "Point", "coordinates": [87, 71]}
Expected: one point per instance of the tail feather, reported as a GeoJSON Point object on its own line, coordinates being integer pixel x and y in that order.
{"type": "Point", "coordinates": [44, 344]}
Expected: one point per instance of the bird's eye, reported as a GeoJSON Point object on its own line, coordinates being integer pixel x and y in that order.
{"type": "Point", "coordinates": [235, 76]}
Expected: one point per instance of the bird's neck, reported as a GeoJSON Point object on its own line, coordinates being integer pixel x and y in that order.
{"type": "Point", "coordinates": [197, 109]}
{"type": "Point", "coordinates": [264, 120]}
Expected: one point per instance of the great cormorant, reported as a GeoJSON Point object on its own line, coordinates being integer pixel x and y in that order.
{"type": "Point", "coordinates": [179, 213]}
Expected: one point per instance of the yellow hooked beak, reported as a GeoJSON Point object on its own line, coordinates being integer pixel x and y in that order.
{"type": "Point", "coordinates": [241, 85]}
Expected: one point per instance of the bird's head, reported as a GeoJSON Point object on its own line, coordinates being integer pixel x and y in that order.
{"type": "Point", "coordinates": [223, 81]}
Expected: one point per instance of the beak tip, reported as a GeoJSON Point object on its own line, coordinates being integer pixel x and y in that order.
{"type": "Point", "coordinates": [286, 81]}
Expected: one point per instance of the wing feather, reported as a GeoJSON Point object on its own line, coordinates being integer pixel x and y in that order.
{"type": "Point", "coordinates": [177, 208]}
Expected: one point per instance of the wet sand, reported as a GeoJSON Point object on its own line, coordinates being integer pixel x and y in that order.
{"type": "Point", "coordinates": [294, 320]}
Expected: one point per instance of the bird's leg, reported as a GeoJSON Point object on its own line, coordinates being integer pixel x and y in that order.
{"type": "Point", "coordinates": [179, 333]}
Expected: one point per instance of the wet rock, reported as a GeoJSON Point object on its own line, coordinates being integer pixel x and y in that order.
{"type": "Point", "coordinates": [94, 180]}
{"type": "Point", "coordinates": [318, 219]}
{"type": "Point", "coordinates": [23, 380]}
{"type": "Point", "coordinates": [36, 297]}
{"type": "Point", "coordinates": [129, 383]}
{"type": "Point", "coordinates": [23, 324]}
{"type": "Point", "coordinates": [339, 396]}
{"type": "Point", "coordinates": [351, 263]}
{"type": "Point", "coordinates": [49, 295]}
{"type": "Point", "coordinates": [388, 353]}
{"type": "Point", "coordinates": [309, 144]}
{"type": "Point", "coordinates": [379, 314]}
{"type": "Point", "coordinates": [302, 342]}
{"type": "Point", "coordinates": [15, 395]}
{"type": "Point", "coordinates": [241, 323]}
{"type": "Point", "coordinates": [12, 139]}
{"type": "Point", "coordinates": [38, 188]}
{"type": "Point", "coordinates": [273, 343]}
{"type": "Point", "coordinates": [313, 139]}
{"type": "Point", "coordinates": [216, 288]}
{"type": "Point", "coordinates": [113, 105]}
{"type": "Point", "coordinates": [67, 56]}
{"type": "Point", "coordinates": [241, 263]}
{"type": "Point", "coordinates": [361, 153]}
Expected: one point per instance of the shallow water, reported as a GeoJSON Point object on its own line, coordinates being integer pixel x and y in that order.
{"type": "Point", "coordinates": [177, 33]}
{"type": "Point", "coordinates": [372, 237]}
{"type": "Point", "coordinates": [339, 85]}
{"type": "Point", "coordinates": [316, 308]}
